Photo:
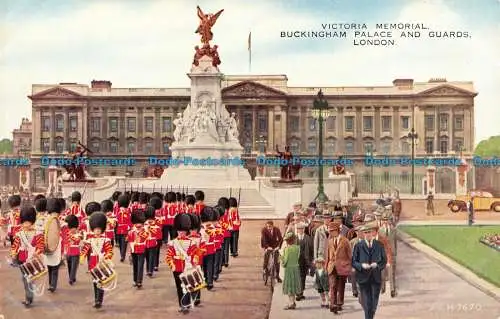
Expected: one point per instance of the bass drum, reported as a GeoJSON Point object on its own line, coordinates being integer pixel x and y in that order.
{"type": "Point", "coordinates": [52, 235]}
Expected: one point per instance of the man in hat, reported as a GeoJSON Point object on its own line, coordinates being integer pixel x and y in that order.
{"type": "Point", "coordinates": [387, 236]}
{"type": "Point", "coordinates": [357, 223]}
{"type": "Point", "coordinates": [388, 251]}
{"type": "Point", "coordinates": [338, 218]}
{"type": "Point", "coordinates": [321, 236]}
{"type": "Point", "coordinates": [338, 265]}
{"type": "Point", "coordinates": [369, 260]}
{"type": "Point", "coordinates": [296, 210]}
{"type": "Point", "coordinates": [270, 240]}
{"type": "Point", "coordinates": [306, 256]}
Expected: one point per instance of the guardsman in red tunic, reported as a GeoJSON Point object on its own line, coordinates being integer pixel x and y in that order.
{"type": "Point", "coordinates": [72, 241]}
{"type": "Point", "coordinates": [157, 203]}
{"type": "Point", "coordinates": [75, 208]}
{"type": "Point", "coordinates": [189, 204]}
{"type": "Point", "coordinates": [90, 208]}
{"type": "Point", "coordinates": [114, 199]}
{"type": "Point", "coordinates": [136, 238]}
{"type": "Point", "coordinates": [124, 223]}
{"type": "Point", "coordinates": [234, 222]}
{"type": "Point", "coordinates": [200, 204]}
{"type": "Point", "coordinates": [208, 236]}
{"type": "Point", "coordinates": [200, 248]}
{"type": "Point", "coordinates": [95, 247]}
{"type": "Point", "coordinates": [134, 201]}
{"type": "Point", "coordinates": [179, 251]}
{"type": "Point", "coordinates": [218, 233]}
{"type": "Point", "coordinates": [169, 212]}
{"type": "Point", "coordinates": [154, 236]}
{"type": "Point", "coordinates": [107, 209]}
{"type": "Point", "coordinates": [224, 222]}
{"type": "Point", "coordinates": [26, 245]}
{"type": "Point", "coordinates": [143, 200]}
{"type": "Point", "coordinates": [14, 223]}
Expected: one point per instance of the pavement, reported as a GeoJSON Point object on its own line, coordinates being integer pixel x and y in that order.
{"type": "Point", "coordinates": [426, 289]}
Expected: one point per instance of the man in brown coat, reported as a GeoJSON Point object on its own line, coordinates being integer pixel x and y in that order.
{"type": "Point", "coordinates": [338, 265]}
{"type": "Point", "coordinates": [270, 241]}
{"type": "Point", "coordinates": [388, 252]}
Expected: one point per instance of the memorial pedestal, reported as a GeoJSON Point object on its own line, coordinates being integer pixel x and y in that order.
{"type": "Point", "coordinates": [86, 188]}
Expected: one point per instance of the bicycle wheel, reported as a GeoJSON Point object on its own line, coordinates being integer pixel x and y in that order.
{"type": "Point", "coordinates": [265, 276]}
{"type": "Point", "coordinates": [272, 278]}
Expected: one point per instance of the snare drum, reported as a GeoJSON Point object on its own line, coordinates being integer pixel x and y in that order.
{"type": "Point", "coordinates": [34, 269]}
{"type": "Point", "coordinates": [103, 274]}
{"type": "Point", "coordinates": [192, 279]}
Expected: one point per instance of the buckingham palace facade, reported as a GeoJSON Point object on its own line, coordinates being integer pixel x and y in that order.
{"type": "Point", "coordinates": [119, 122]}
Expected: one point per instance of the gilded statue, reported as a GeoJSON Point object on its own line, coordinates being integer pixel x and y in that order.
{"type": "Point", "coordinates": [207, 21]}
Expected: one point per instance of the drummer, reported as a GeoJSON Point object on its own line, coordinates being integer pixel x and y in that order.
{"type": "Point", "coordinates": [53, 258]}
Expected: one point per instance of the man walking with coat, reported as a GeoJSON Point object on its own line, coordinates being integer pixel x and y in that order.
{"type": "Point", "coordinates": [369, 260]}
{"type": "Point", "coordinates": [306, 256]}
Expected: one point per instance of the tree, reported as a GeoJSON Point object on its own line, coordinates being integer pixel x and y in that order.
{"type": "Point", "coordinates": [5, 146]}
{"type": "Point", "coordinates": [489, 147]}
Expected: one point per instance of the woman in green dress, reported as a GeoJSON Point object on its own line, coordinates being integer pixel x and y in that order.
{"type": "Point", "coordinates": [290, 261]}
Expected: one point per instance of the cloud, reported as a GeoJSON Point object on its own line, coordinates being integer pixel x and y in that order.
{"type": "Point", "coordinates": [152, 46]}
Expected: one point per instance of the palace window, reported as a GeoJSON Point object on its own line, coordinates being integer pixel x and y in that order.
{"type": "Point", "coordinates": [429, 145]}
{"type": "Point", "coordinates": [72, 145]}
{"type": "Point", "coordinates": [295, 147]}
{"type": "Point", "coordinates": [330, 146]}
{"type": "Point", "coordinates": [386, 147]}
{"type": "Point", "coordinates": [131, 124]}
{"type": "Point", "coordinates": [113, 124]}
{"type": "Point", "coordinates": [148, 124]}
{"type": "Point", "coordinates": [73, 123]}
{"type": "Point", "coordinates": [405, 147]}
{"type": "Point", "coordinates": [312, 124]}
{"type": "Point", "coordinates": [131, 147]}
{"type": "Point", "coordinates": [95, 146]}
{"type": "Point", "coordinates": [247, 121]}
{"type": "Point", "coordinates": [367, 123]}
{"type": "Point", "coordinates": [349, 123]}
{"type": "Point", "coordinates": [330, 123]}
{"type": "Point", "coordinates": [59, 123]}
{"type": "Point", "coordinates": [148, 147]}
{"type": "Point", "coordinates": [386, 123]}
{"type": "Point", "coordinates": [443, 122]}
{"type": "Point", "coordinates": [45, 143]}
{"type": "Point", "coordinates": [429, 123]}
{"type": "Point", "coordinates": [167, 124]}
{"type": "Point", "coordinates": [166, 148]}
{"type": "Point", "coordinates": [443, 146]}
{"type": "Point", "coordinates": [263, 123]}
{"type": "Point", "coordinates": [459, 122]}
{"type": "Point", "coordinates": [368, 148]}
{"type": "Point", "coordinates": [405, 122]}
{"type": "Point", "coordinates": [349, 147]}
{"type": "Point", "coordinates": [59, 146]}
{"type": "Point", "coordinates": [45, 123]}
{"type": "Point", "coordinates": [294, 123]}
{"type": "Point", "coordinates": [459, 144]}
{"type": "Point", "coordinates": [312, 147]}
{"type": "Point", "coordinates": [113, 147]}
{"type": "Point", "coordinates": [95, 123]}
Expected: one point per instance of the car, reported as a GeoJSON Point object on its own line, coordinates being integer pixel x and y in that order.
{"type": "Point", "coordinates": [482, 201]}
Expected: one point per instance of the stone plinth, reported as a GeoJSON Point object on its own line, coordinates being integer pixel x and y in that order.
{"type": "Point", "coordinates": [86, 188]}
{"type": "Point", "coordinates": [285, 194]}
{"type": "Point", "coordinates": [431, 179]}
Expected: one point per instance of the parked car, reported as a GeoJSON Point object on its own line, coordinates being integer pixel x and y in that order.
{"type": "Point", "coordinates": [482, 200]}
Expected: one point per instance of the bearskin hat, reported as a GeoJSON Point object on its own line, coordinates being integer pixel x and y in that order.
{"type": "Point", "coordinates": [123, 201]}
{"type": "Point", "coordinates": [28, 214]}
{"type": "Point", "coordinates": [199, 195]}
{"type": "Point", "coordinates": [53, 206]}
{"type": "Point", "coordinates": [62, 202]}
{"type": "Point", "coordinates": [190, 200]}
{"type": "Point", "coordinates": [72, 221]}
{"type": "Point", "coordinates": [195, 221]}
{"type": "Point", "coordinates": [76, 196]}
{"type": "Point", "coordinates": [170, 197]}
{"type": "Point", "coordinates": [143, 198]}
{"type": "Point", "coordinates": [233, 202]}
{"type": "Point", "coordinates": [156, 202]}
{"type": "Point", "coordinates": [223, 202]}
{"type": "Point", "coordinates": [149, 213]}
{"type": "Point", "coordinates": [178, 197]}
{"type": "Point", "coordinates": [98, 220]}
{"type": "Point", "coordinates": [138, 216]}
{"type": "Point", "coordinates": [207, 214]}
{"type": "Point", "coordinates": [106, 206]}
{"type": "Point", "coordinates": [115, 195]}
{"type": "Point", "coordinates": [156, 194]}
{"type": "Point", "coordinates": [14, 201]}
{"type": "Point", "coordinates": [182, 222]}
{"type": "Point", "coordinates": [39, 196]}
{"type": "Point", "coordinates": [183, 197]}
{"type": "Point", "coordinates": [134, 197]}
{"type": "Point", "coordinates": [92, 207]}
{"type": "Point", "coordinates": [41, 205]}
{"type": "Point", "coordinates": [217, 213]}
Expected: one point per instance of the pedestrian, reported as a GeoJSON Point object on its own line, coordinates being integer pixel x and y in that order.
{"type": "Point", "coordinates": [369, 260]}
{"type": "Point", "coordinates": [321, 281]}
{"type": "Point", "coordinates": [290, 262]}
{"type": "Point", "coordinates": [430, 204]}
{"type": "Point", "coordinates": [470, 211]}
{"type": "Point", "coordinates": [306, 256]}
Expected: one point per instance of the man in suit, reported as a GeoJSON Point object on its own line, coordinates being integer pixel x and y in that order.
{"type": "Point", "coordinates": [321, 236]}
{"type": "Point", "coordinates": [270, 240]}
{"type": "Point", "coordinates": [296, 211]}
{"type": "Point", "coordinates": [338, 217]}
{"type": "Point", "coordinates": [338, 265]}
{"type": "Point", "coordinates": [369, 260]}
{"type": "Point", "coordinates": [306, 256]}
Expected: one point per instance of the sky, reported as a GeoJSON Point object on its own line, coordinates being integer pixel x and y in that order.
{"type": "Point", "coordinates": [149, 43]}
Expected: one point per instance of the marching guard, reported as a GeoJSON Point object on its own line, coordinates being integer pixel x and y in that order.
{"type": "Point", "coordinates": [157, 204]}
{"type": "Point", "coordinates": [218, 241]}
{"type": "Point", "coordinates": [200, 249]}
{"type": "Point", "coordinates": [223, 203]}
{"type": "Point", "coordinates": [154, 236]}
{"type": "Point", "coordinates": [136, 238]}
{"type": "Point", "coordinates": [90, 208]}
{"type": "Point", "coordinates": [234, 222]}
{"type": "Point", "coordinates": [169, 212]}
{"type": "Point", "coordinates": [53, 258]}
{"type": "Point", "coordinates": [143, 200]}
{"type": "Point", "coordinates": [189, 204]}
{"type": "Point", "coordinates": [41, 214]}
{"type": "Point", "coordinates": [98, 248]}
{"type": "Point", "coordinates": [208, 236]}
{"type": "Point", "coordinates": [73, 241]}
{"type": "Point", "coordinates": [14, 217]}
{"type": "Point", "coordinates": [26, 246]}
{"type": "Point", "coordinates": [75, 208]}
{"type": "Point", "coordinates": [107, 209]}
{"type": "Point", "coordinates": [200, 202]}
{"type": "Point", "coordinates": [123, 220]}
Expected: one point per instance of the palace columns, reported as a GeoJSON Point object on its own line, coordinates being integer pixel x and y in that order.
{"type": "Point", "coordinates": [270, 130]}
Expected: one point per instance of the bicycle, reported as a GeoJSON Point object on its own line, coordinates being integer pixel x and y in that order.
{"type": "Point", "coordinates": [269, 274]}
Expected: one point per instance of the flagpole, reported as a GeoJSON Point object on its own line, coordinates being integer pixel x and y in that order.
{"type": "Point", "coordinates": [250, 52]}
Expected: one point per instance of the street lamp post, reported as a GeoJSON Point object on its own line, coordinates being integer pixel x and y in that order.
{"type": "Point", "coordinates": [320, 112]}
{"type": "Point", "coordinates": [413, 136]}
{"type": "Point", "coordinates": [371, 152]}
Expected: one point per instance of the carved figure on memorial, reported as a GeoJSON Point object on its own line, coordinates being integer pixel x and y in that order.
{"type": "Point", "coordinates": [232, 132]}
{"type": "Point", "coordinates": [205, 120]}
{"type": "Point", "coordinates": [179, 126]}
{"type": "Point", "coordinates": [207, 21]}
